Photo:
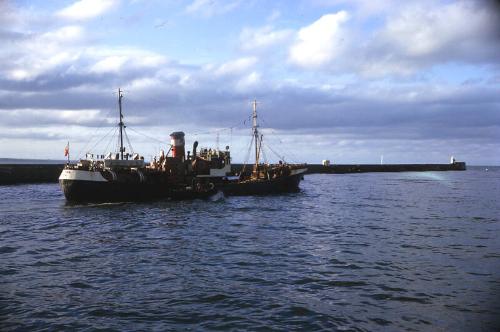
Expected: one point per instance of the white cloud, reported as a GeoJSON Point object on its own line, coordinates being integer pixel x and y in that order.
{"type": "Point", "coordinates": [108, 60]}
{"type": "Point", "coordinates": [254, 39]}
{"type": "Point", "coordinates": [412, 36]}
{"type": "Point", "coordinates": [427, 34]}
{"type": "Point", "coordinates": [110, 64]}
{"type": "Point", "coordinates": [18, 74]}
{"type": "Point", "coordinates": [86, 9]}
{"type": "Point", "coordinates": [143, 83]}
{"type": "Point", "coordinates": [71, 33]}
{"type": "Point", "coordinates": [275, 14]}
{"type": "Point", "coordinates": [41, 53]}
{"type": "Point", "coordinates": [65, 51]}
{"type": "Point", "coordinates": [363, 8]}
{"type": "Point", "coordinates": [420, 30]}
{"type": "Point", "coordinates": [384, 66]}
{"type": "Point", "coordinates": [249, 81]}
{"type": "Point", "coordinates": [236, 66]}
{"type": "Point", "coordinates": [46, 117]}
{"type": "Point", "coordinates": [319, 43]}
{"type": "Point", "coordinates": [209, 8]}
{"type": "Point", "coordinates": [8, 15]}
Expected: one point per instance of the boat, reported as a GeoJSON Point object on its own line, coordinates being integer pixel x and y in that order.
{"type": "Point", "coordinates": [262, 178]}
{"type": "Point", "coordinates": [121, 176]}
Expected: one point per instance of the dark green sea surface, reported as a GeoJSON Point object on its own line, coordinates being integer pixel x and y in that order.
{"type": "Point", "coordinates": [359, 252]}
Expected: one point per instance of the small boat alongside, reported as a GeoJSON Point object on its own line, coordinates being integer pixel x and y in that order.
{"type": "Point", "coordinates": [287, 182]}
{"type": "Point", "coordinates": [264, 178]}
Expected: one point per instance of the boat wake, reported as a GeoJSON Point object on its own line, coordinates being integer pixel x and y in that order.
{"type": "Point", "coordinates": [217, 197]}
{"type": "Point", "coordinates": [69, 205]}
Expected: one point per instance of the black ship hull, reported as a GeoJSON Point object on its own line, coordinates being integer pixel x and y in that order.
{"type": "Point", "coordinates": [125, 186]}
{"type": "Point", "coordinates": [285, 184]}
{"type": "Point", "coordinates": [99, 192]}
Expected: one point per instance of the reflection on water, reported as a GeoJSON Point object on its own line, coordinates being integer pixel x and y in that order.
{"type": "Point", "coordinates": [437, 176]}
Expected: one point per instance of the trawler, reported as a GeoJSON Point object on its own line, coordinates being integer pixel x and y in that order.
{"type": "Point", "coordinates": [119, 177]}
{"type": "Point", "coordinates": [262, 178]}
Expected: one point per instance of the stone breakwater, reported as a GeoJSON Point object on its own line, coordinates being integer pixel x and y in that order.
{"type": "Point", "coordinates": [368, 168]}
{"type": "Point", "coordinates": [29, 173]}
{"type": "Point", "coordinates": [39, 173]}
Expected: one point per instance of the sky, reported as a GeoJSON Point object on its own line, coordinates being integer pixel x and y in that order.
{"type": "Point", "coordinates": [348, 81]}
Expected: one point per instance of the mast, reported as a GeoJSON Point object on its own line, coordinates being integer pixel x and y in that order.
{"type": "Point", "coordinates": [256, 135]}
{"type": "Point", "coordinates": [120, 96]}
{"type": "Point", "coordinates": [260, 144]}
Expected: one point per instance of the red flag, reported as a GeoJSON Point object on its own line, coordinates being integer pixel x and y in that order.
{"type": "Point", "coordinates": [66, 150]}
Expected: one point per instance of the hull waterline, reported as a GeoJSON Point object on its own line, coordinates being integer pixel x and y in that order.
{"type": "Point", "coordinates": [287, 184]}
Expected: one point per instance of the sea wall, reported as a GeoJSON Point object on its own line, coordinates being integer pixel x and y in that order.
{"type": "Point", "coordinates": [38, 173]}
{"type": "Point", "coordinates": [365, 168]}
{"type": "Point", "coordinates": [29, 173]}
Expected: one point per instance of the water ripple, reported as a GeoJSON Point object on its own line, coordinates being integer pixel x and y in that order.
{"type": "Point", "coordinates": [364, 252]}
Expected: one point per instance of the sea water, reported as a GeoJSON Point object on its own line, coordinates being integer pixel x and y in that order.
{"type": "Point", "coordinates": [353, 252]}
